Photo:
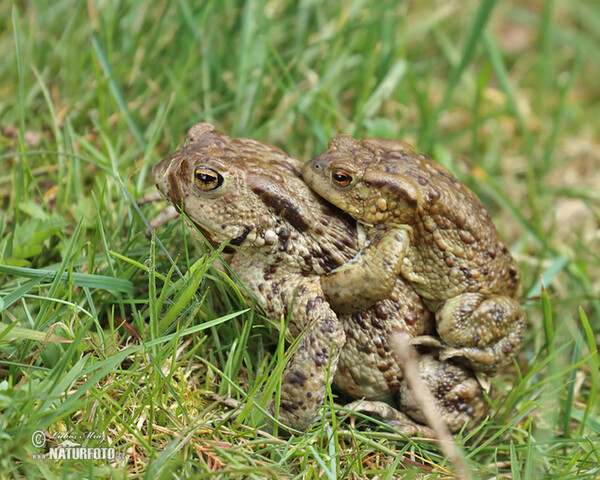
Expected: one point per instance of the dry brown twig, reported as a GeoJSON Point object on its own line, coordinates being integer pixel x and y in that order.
{"type": "Point", "coordinates": [407, 359]}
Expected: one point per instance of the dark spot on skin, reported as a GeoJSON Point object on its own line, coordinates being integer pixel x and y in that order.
{"type": "Point", "coordinates": [359, 320]}
{"type": "Point", "coordinates": [284, 238]}
{"type": "Point", "coordinates": [238, 240]}
{"type": "Point", "coordinates": [382, 311]}
{"type": "Point", "coordinates": [269, 271]}
{"type": "Point", "coordinates": [328, 326]}
{"type": "Point", "coordinates": [320, 358]}
{"type": "Point", "coordinates": [513, 271]}
{"type": "Point", "coordinates": [377, 323]}
{"type": "Point", "coordinates": [311, 304]}
{"type": "Point", "coordinates": [308, 394]}
{"type": "Point", "coordinates": [422, 180]}
{"type": "Point", "coordinates": [296, 378]}
{"type": "Point", "coordinates": [284, 207]}
{"type": "Point", "coordinates": [339, 244]}
{"type": "Point", "coordinates": [288, 406]}
{"type": "Point", "coordinates": [324, 259]}
{"type": "Point", "coordinates": [383, 367]}
{"type": "Point", "coordinates": [410, 318]}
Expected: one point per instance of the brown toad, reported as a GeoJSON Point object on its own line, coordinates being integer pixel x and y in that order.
{"type": "Point", "coordinates": [436, 234]}
{"type": "Point", "coordinates": [282, 240]}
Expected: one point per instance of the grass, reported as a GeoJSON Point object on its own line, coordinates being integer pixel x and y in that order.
{"type": "Point", "coordinates": [102, 333]}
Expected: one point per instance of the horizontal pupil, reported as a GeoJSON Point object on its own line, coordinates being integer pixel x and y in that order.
{"type": "Point", "coordinates": [204, 178]}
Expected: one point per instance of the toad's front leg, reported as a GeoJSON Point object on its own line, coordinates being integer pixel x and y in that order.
{"type": "Point", "coordinates": [371, 275]}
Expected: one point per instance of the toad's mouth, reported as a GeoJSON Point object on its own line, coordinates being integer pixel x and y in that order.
{"type": "Point", "coordinates": [206, 235]}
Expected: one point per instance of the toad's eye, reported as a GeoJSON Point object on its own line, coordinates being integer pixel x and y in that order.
{"type": "Point", "coordinates": [341, 178]}
{"type": "Point", "coordinates": [207, 179]}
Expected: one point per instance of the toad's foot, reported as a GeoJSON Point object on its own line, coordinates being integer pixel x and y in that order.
{"type": "Point", "coordinates": [485, 332]}
{"type": "Point", "coordinates": [427, 341]}
{"type": "Point", "coordinates": [392, 417]}
{"type": "Point", "coordinates": [455, 392]}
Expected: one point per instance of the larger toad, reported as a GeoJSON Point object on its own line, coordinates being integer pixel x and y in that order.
{"type": "Point", "coordinates": [435, 233]}
{"type": "Point", "coordinates": [282, 240]}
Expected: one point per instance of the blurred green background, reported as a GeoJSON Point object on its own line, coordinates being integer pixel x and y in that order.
{"type": "Point", "coordinates": [93, 94]}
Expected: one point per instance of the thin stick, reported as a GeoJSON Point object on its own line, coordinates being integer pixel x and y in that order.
{"type": "Point", "coordinates": [407, 359]}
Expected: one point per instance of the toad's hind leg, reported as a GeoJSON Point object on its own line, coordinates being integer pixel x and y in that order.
{"type": "Point", "coordinates": [370, 276]}
{"type": "Point", "coordinates": [314, 363]}
{"type": "Point", "coordinates": [457, 395]}
{"type": "Point", "coordinates": [484, 331]}
{"type": "Point", "coordinates": [454, 392]}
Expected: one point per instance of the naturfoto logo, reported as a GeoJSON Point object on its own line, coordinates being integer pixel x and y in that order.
{"type": "Point", "coordinates": [69, 449]}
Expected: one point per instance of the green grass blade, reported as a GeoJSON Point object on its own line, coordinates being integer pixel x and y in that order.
{"type": "Point", "coordinates": [19, 292]}
{"type": "Point", "coordinates": [475, 34]}
{"type": "Point", "coordinates": [594, 364]}
{"type": "Point", "coordinates": [116, 91]}
{"type": "Point", "coordinates": [88, 280]}
{"type": "Point", "coordinates": [181, 301]}
{"type": "Point", "coordinates": [29, 334]}
{"type": "Point", "coordinates": [514, 463]}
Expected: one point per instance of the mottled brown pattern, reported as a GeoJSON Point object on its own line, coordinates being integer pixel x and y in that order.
{"type": "Point", "coordinates": [449, 252]}
{"type": "Point", "coordinates": [284, 239]}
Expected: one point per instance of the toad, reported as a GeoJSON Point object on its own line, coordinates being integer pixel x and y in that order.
{"type": "Point", "coordinates": [432, 231]}
{"type": "Point", "coordinates": [282, 239]}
